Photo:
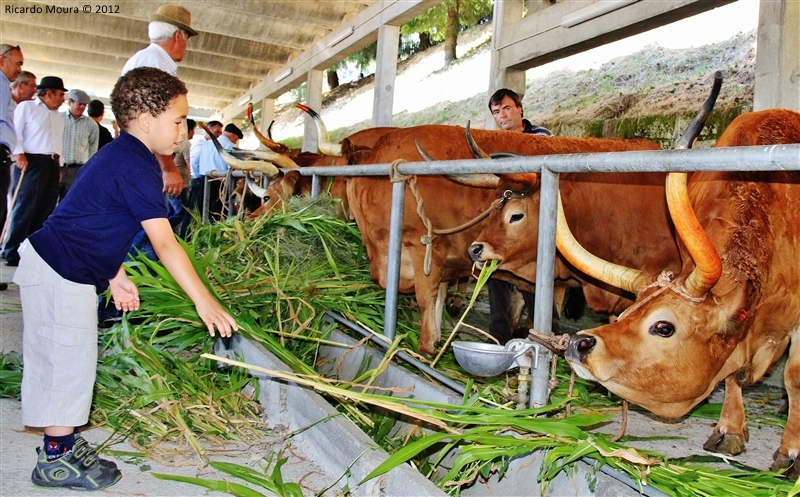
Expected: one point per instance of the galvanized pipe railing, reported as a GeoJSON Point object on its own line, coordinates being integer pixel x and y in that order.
{"type": "Point", "coordinates": [758, 158]}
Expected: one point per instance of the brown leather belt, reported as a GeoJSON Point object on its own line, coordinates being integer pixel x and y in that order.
{"type": "Point", "coordinates": [44, 156]}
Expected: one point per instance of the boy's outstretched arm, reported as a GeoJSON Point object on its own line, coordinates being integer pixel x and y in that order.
{"type": "Point", "coordinates": [177, 263]}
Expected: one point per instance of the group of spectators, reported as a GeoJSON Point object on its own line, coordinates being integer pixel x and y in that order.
{"type": "Point", "coordinates": [79, 199]}
{"type": "Point", "coordinates": [41, 149]}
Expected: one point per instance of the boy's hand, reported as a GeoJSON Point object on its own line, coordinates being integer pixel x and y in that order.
{"type": "Point", "coordinates": [215, 317]}
{"type": "Point", "coordinates": [124, 292]}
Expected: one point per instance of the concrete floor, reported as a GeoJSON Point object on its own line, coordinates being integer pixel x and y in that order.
{"type": "Point", "coordinates": [18, 443]}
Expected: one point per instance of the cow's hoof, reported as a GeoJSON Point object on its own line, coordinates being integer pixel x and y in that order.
{"type": "Point", "coordinates": [783, 462]}
{"type": "Point", "coordinates": [725, 444]}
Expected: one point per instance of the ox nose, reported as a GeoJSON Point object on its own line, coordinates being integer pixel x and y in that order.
{"type": "Point", "coordinates": [475, 251]}
{"type": "Point", "coordinates": [579, 347]}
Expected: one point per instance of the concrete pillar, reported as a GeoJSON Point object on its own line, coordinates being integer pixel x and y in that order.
{"type": "Point", "coordinates": [267, 114]}
{"type": "Point", "coordinates": [778, 58]}
{"type": "Point", "coordinates": [385, 72]}
{"type": "Point", "coordinates": [505, 12]}
{"type": "Point", "coordinates": [313, 100]}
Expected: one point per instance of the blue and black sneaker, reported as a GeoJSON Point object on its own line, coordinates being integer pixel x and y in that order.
{"type": "Point", "coordinates": [79, 469]}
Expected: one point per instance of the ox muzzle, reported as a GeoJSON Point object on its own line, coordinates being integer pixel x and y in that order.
{"type": "Point", "coordinates": [579, 347]}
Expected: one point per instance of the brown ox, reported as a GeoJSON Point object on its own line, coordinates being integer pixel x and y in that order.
{"type": "Point", "coordinates": [446, 204]}
{"type": "Point", "coordinates": [292, 183]}
{"type": "Point", "coordinates": [622, 216]}
{"type": "Point", "coordinates": [731, 311]}
{"type": "Point", "coordinates": [348, 151]}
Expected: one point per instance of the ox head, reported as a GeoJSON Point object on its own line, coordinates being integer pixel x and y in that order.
{"type": "Point", "coordinates": [511, 227]}
{"type": "Point", "coordinates": [669, 350]}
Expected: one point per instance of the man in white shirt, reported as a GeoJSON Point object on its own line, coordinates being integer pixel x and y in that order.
{"type": "Point", "coordinates": [210, 160]}
{"type": "Point", "coordinates": [81, 138]}
{"type": "Point", "coordinates": [40, 131]}
{"type": "Point", "coordinates": [169, 31]}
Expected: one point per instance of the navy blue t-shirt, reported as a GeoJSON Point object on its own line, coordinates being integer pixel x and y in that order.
{"type": "Point", "coordinates": [87, 237]}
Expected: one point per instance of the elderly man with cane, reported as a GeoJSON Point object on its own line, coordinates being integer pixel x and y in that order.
{"type": "Point", "coordinates": [11, 61]}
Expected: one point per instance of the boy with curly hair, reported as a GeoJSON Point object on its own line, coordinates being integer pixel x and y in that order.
{"type": "Point", "coordinates": [78, 253]}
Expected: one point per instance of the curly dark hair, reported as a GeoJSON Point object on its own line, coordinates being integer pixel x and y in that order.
{"type": "Point", "coordinates": [144, 89]}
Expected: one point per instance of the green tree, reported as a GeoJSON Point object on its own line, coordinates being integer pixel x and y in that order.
{"type": "Point", "coordinates": [444, 22]}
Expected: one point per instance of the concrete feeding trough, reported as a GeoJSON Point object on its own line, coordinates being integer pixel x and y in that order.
{"type": "Point", "coordinates": [341, 448]}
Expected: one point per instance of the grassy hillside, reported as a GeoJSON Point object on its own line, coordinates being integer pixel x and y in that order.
{"type": "Point", "coordinates": [651, 93]}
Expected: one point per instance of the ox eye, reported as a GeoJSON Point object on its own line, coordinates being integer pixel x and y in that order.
{"type": "Point", "coordinates": [664, 329]}
{"type": "Point", "coordinates": [515, 218]}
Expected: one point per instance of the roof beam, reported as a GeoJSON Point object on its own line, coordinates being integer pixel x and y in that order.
{"type": "Point", "coordinates": [541, 38]}
{"type": "Point", "coordinates": [328, 51]}
{"type": "Point", "coordinates": [136, 31]}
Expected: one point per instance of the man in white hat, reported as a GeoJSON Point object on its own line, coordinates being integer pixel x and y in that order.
{"type": "Point", "coordinates": [81, 138]}
{"type": "Point", "coordinates": [169, 30]}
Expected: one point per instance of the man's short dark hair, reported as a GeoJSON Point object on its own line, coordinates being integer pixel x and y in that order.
{"type": "Point", "coordinates": [96, 108]}
{"type": "Point", "coordinates": [144, 90]}
{"type": "Point", "coordinates": [212, 124]}
{"type": "Point", "coordinates": [190, 124]}
{"type": "Point", "coordinates": [502, 93]}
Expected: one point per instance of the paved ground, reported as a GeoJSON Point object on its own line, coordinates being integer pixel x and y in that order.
{"type": "Point", "coordinates": [18, 456]}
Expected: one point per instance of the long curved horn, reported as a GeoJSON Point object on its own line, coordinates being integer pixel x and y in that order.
{"type": "Point", "coordinates": [694, 128]}
{"type": "Point", "coordinates": [324, 140]}
{"type": "Point", "coordinates": [618, 276]}
{"type": "Point", "coordinates": [267, 142]}
{"type": "Point", "coordinates": [475, 180]}
{"type": "Point", "coordinates": [423, 153]}
{"type": "Point", "coordinates": [256, 189]}
{"type": "Point", "coordinates": [279, 160]}
{"type": "Point", "coordinates": [476, 150]}
{"type": "Point", "coordinates": [245, 165]}
{"type": "Point", "coordinates": [708, 266]}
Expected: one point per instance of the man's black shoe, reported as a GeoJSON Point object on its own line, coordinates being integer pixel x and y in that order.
{"type": "Point", "coordinates": [12, 262]}
{"type": "Point", "coordinates": [3, 286]}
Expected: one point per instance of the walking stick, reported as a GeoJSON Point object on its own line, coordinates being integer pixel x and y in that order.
{"type": "Point", "coordinates": [11, 205]}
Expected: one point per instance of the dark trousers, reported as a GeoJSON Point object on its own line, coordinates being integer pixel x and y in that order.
{"type": "Point", "coordinates": [36, 200]}
{"type": "Point", "coordinates": [5, 182]}
{"type": "Point", "coordinates": [500, 325]}
{"type": "Point", "coordinates": [68, 174]}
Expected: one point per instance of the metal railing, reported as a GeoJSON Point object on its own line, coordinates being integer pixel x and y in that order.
{"type": "Point", "coordinates": [756, 158]}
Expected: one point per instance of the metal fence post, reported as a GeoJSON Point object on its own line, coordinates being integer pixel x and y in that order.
{"type": "Point", "coordinates": [393, 266]}
{"type": "Point", "coordinates": [545, 272]}
{"type": "Point", "coordinates": [206, 198]}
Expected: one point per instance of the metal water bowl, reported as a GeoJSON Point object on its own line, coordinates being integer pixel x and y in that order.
{"type": "Point", "coordinates": [488, 359]}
